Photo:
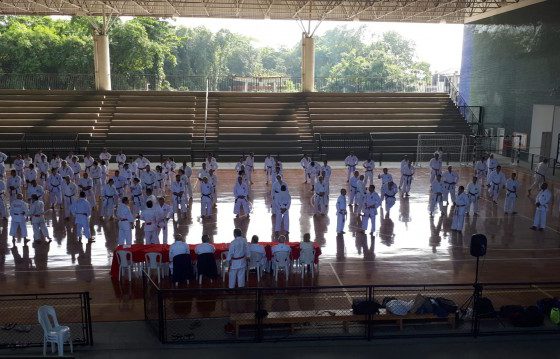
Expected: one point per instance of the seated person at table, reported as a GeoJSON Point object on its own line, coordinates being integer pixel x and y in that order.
{"type": "Point", "coordinates": [306, 243]}
{"type": "Point", "coordinates": [255, 247]}
{"type": "Point", "coordinates": [205, 246]}
{"type": "Point", "coordinates": [179, 247]}
{"type": "Point", "coordinates": [281, 246]}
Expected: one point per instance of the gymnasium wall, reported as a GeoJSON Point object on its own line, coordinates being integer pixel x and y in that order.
{"type": "Point", "coordinates": [512, 61]}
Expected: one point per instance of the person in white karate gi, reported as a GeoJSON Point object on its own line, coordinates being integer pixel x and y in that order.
{"type": "Point", "coordinates": [496, 181]}
{"type": "Point", "coordinates": [76, 168]}
{"type": "Point", "coordinates": [85, 184]}
{"type": "Point", "coordinates": [241, 195]}
{"type": "Point", "coordinates": [43, 167]}
{"type": "Point", "coordinates": [3, 210]}
{"type": "Point", "coordinates": [436, 197]}
{"type": "Point", "coordinates": [141, 164]}
{"type": "Point", "coordinates": [211, 163]}
{"type": "Point", "coordinates": [480, 169]}
{"type": "Point", "coordinates": [120, 182]}
{"type": "Point", "coordinates": [459, 210]}
{"type": "Point", "coordinates": [88, 163]}
{"type": "Point", "coordinates": [120, 158]}
{"type": "Point", "coordinates": [512, 186]}
{"type": "Point", "coordinates": [37, 215]}
{"type": "Point", "coordinates": [491, 164]}
{"type": "Point", "coordinates": [237, 258]}
{"type": "Point", "coordinates": [341, 211]}
{"type": "Point", "coordinates": [313, 171]}
{"type": "Point", "coordinates": [179, 197]}
{"type": "Point", "coordinates": [351, 161]}
{"type": "Point", "coordinates": [283, 201]}
{"type": "Point", "coordinates": [187, 173]}
{"type": "Point", "coordinates": [159, 184]}
{"type": "Point", "coordinates": [473, 192]}
{"type": "Point", "coordinates": [372, 202]}
{"type": "Point", "coordinates": [105, 156]}
{"type": "Point", "coordinates": [385, 178]}
{"type": "Point", "coordinates": [275, 191]}
{"type": "Point", "coordinates": [56, 162]}
{"type": "Point", "coordinates": [304, 163]}
{"type": "Point", "coordinates": [361, 192]}
{"type": "Point", "coordinates": [249, 167]}
{"type": "Point", "coordinates": [54, 185]}
{"type": "Point", "coordinates": [14, 184]}
{"type": "Point", "coordinates": [81, 210]}
{"type": "Point", "coordinates": [29, 174]}
{"type": "Point", "coordinates": [435, 166]}
{"type": "Point", "coordinates": [369, 166]}
{"type": "Point", "coordinates": [206, 201]}
{"type": "Point", "coordinates": [407, 175]}
{"type": "Point", "coordinates": [150, 215]}
{"type": "Point", "coordinates": [353, 188]}
{"type": "Point", "coordinates": [269, 165]}
{"type": "Point", "coordinates": [126, 222]}
{"type": "Point", "coordinates": [18, 212]}
{"type": "Point", "coordinates": [69, 195]}
{"type": "Point", "coordinates": [148, 178]}
{"type": "Point", "coordinates": [36, 189]}
{"type": "Point", "coordinates": [66, 171]}
{"type": "Point", "coordinates": [541, 203]}
{"type": "Point", "coordinates": [450, 179]}
{"type": "Point", "coordinates": [390, 193]}
{"type": "Point", "coordinates": [326, 172]}
{"type": "Point", "coordinates": [165, 213]}
{"type": "Point", "coordinates": [404, 163]}
{"type": "Point", "coordinates": [96, 174]}
{"type": "Point", "coordinates": [320, 198]}
{"type": "Point", "coordinates": [109, 200]}
{"type": "Point", "coordinates": [213, 181]}
{"type": "Point", "coordinates": [539, 176]}
{"type": "Point", "coordinates": [18, 166]}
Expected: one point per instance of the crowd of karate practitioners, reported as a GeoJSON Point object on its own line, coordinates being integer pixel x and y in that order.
{"type": "Point", "coordinates": [137, 190]}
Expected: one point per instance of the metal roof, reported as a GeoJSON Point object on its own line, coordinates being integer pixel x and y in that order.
{"type": "Point", "coordinates": [422, 11]}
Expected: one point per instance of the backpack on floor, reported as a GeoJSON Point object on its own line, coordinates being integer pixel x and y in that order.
{"type": "Point", "coordinates": [531, 317]}
{"type": "Point", "coordinates": [555, 315]}
{"type": "Point", "coordinates": [545, 305]}
{"type": "Point", "coordinates": [510, 311]}
{"type": "Point", "coordinates": [447, 304]}
{"type": "Point", "coordinates": [365, 307]}
{"type": "Point", "coordinates": [485, 308]}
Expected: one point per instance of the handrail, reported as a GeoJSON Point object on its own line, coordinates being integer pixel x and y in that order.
{"type": "Point", "coordinates": [463, 106]}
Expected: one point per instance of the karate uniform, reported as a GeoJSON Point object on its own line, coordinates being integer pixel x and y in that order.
{"type": "Point", "coordinates": [240, 192]}
{"type": "Point", "coordinates": [459, 212]}
{"type": "Point", "coordinates": [449, 179]}
{"type": "Point", "coordinates": [124, 215]}
{"type": "Point", "coordinates": [29, 175]}
{"type": "Point", "coordinates": [137, 198]}
{"type": "Point", "coordinates": [81, 209]}
{"type": "Point", "coordinates": [237, 253]}
{"type": "Point", "coordinates": [43, 168]}
{"type": "Point", "coordinates": [491, 164]}
{"type": "Point", "coordinates": [352, 190]}
{"type": "Point", "coordinates": [150, 218]}
{"type": "Point", "coordinates": [165, 212]}
{"type": "Point", "coordinates": [187, 181]}
{"type": "Point", "coordinates": [283, 201]}
{"type": "Point", "coordinates": [18, 211]}
{"type": "Point", "coordinates": [206, 193]}
{"type": "Point", "coordinates": [275, 190]}
{"type": "Point", "coordinates": [121, 160]}
{"type": "Point", "coordinates": [76, 169]}
{"type": "Point", "coordinates": [268, 167]}
{"type": "Point", "coordinates": [54, 182]}
{"type": "Point", "coordinates": [14, 187]}
{"type": "Point", "coordinates": [120, 184]}
{"type": "Point", "coordinates": [249, 167]}
{"type": "Point", "coordinates": [539, 176]}
{"type": "Point", "coordinates": [495, 182]}
{"type": "Point", "coordinates": [480, 170]}
{"type": "Point", "coordinates": [105, 156]}
{"type": "Point", "coordinates": [18, 165]}
{"type": "Point", "coordinates": [350, 162]}
{"type": "Point", "coordinates": [435, 165]}
{"type": "Point", "coordinates": [96, 175]}
{"type": "Point", "coordinates": [86, 186]}
{"type": "Point", "coordinates": [109, 197]}
{"type": "Point", "coordinates": [37, 214]}
{"type": "Point", "coordinates": [69, 193]}
{"type": "Point", "coordinates": [148, 179]}
{"type": "Point", "coordinates": [407, 174]}
{"type": "Point", "coordinates": [66, 171]}
{"type": "Point", "coordinates": [340, 213]}
{"type": "Point", "coordinates": [159, 184]}
{"type": "Point", "coordinates": [320, 199]}
{"type": "Point", "coordinates": [88, 163]}
{"type": "Point", "coordinates": [372, 202]}
{"type": "Point", "coordinates": [436, 196]}
{"type": "Point", "coordinates": [473, 192]}
{"type": "Point", "coordinates": [511, 195]}
{"type": "Point", "coordinates": [327, 178]}
{"type": "Point", "coordinates": [56, 163]}
{"type": "Point", "coordinates": [360, 195]}
{"type": "Point", "coordinates": [304, 165]}
{"type": "Point", "coordinates": [390, 197]}
{"type": "Point", "coordinates": [211, 164]}
{"type": "Point", "coordinates": [213, 181]}
{"type": "Point", "coordinates": [543, 200]}
{"type": "Point", "coordinates": [141, 163]}
{"type": "Point", "coordinates": [385, 178]}
{"type": "Point", "coordinates": [3, 211]}
{"type": "Point", "coordinates": [369, 166]}
{"type": "Point", "coordinates": [179, 198]}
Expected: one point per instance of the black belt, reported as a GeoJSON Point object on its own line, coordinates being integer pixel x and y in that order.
{"type": "Point", "coordinates": [137, 195]}
{"type": "Point", "coordinates": [472, 194]}
{"type": "Point", "coordinates": [389, 196]}
{"type": "Point", "coordinates": [407, 175]}
{"type": "Point", "coordinates": [450, 183]}
{"type": "Point", "coordinates": [207, 195]}
{"type": "Point", "coordinates": [73, 195]}
{"type": "Point", "coordinates": [83, 214]}
{"type": "Point", "coordinates": [369, 170]}
{"type": "Point", "coordinates": [540, 174]}
{"type": "Point", "coordinates": [55, 185]}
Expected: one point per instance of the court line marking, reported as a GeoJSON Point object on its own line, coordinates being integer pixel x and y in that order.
{"type": "Point", "coordinates": [348, 297]}
{"type": "Point", "coordinates": [543, 291]}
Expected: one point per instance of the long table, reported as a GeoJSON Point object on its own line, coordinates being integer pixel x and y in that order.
{"type": "Point", "coordinates": [139, 251]}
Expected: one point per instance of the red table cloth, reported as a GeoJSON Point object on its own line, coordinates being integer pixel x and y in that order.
{"type": "Point", "coordinates": [139, 251]}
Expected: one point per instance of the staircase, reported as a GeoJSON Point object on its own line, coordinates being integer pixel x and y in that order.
{"type": "Point", "coordinates": [102, 127]}
{"type": "Point", "coordinates": [212, 125]}
{"type": "Point", "coordinates": [305, 129]}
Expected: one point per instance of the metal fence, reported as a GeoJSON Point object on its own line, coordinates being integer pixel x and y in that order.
{"type": "Point", "coordinates": [183, 82]}
{"type": "Point", "coordinates": [197, 315]}
{"type": "Point", "coordinates": [19, 326]}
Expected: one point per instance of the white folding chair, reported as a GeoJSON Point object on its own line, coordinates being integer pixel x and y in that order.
{"type": "Point", "coordinates": [125, 263]}
{"type": "Point", "coordinates": [307, 258]}
{"type": "Point", "coordinates": [53, 332]}
{"type": "Point", "coordinates": [281, 260]}
{"type": "Point", "coordinates": [153, 262]}
{"type": "Point", "coordinates": [255, 262]}
{"type": "Point", "coordinates": [224, 264]}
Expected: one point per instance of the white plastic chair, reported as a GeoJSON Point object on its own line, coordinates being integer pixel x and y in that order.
{"type": "Point", "coordinates": [153, 262]}
{"type": "Point", "coordinates": [307, 258]}
{"type": "Point", "coordinates": [255, 262]}
{"type": "Point", "coordinates": [281, 260]}
{"type": "Point", "coordinates": [224, 264]}
{"type": "Point", "coordinates": [53, 332]}
{"type": "Point", "coordinates": [125, 263]}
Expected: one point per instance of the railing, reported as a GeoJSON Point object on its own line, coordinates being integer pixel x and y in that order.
{"type": "Point", "coordinates": [330, 145]}
{"type": "Point", "coordinates": [471, 114]}
{"type": "Point", "coordinates": [20, 327]}
{"type": "Point", "coordinates": [217, 315]}
{"type": "Point", "coordinates": [51, 142]}
{"type": "Point", "coordinates": [150, 82]}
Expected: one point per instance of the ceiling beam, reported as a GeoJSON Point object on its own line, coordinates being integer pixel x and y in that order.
{"type": "Point", "coordinates": [502, 10]}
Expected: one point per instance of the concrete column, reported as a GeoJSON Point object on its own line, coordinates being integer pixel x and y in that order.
{"type": "Point", "coordinates": [307, 63]}
{"type": "Point", "coordinates": [102, 62]}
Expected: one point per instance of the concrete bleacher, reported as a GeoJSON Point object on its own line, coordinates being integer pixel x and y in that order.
{"type": "Point", "coordinates": [393, 119]}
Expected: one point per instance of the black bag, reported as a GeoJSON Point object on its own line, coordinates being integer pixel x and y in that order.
{"type": "Point", "coordinates": [485, 308]}
{"type": "Point", "coordinates": [439, 311]}
{"type": "Point", "coordinates": [530, 317]}
{"type": "Point", "coordinates": [509, 311]}
{"type": "Point", "coordinates": [447, 304]}
{"type": "Point", "coordinates": [426, 307]}
{"type": "Point", "coordinates": [365, 307]}
{"type": "Point", "coordinates": [545, 305]}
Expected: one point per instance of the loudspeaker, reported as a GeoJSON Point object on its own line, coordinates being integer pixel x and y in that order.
{"type": "Point", "coordinates": [478, 245]}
